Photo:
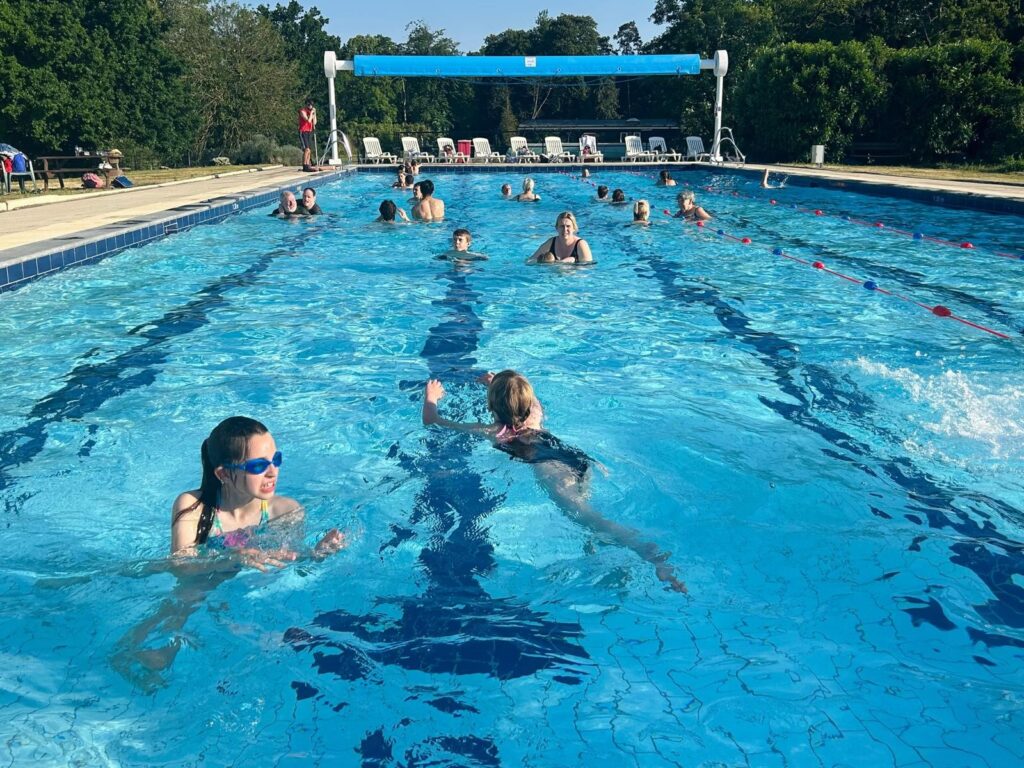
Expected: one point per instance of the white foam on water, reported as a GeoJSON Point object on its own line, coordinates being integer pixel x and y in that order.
{"type": "Point", "coordinates": [961, 406]}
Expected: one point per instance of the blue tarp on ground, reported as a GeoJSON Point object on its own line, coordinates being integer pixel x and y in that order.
{"type": "Point", "coordinates": [524, 66]}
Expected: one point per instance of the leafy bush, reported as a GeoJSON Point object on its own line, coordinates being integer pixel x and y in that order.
{"type": "Point", "coordinates": [956, 98]}
{"type": "Point", "coordinates": [800, 94]}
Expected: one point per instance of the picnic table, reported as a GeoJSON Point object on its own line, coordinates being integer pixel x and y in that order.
{"type": "Point", "coordinates": [59, 166]}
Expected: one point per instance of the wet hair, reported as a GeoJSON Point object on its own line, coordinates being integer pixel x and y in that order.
{"type": "Point", "coordinates": [585, 173]}
{"type": "Point", "coordinates": [427, 187]}
{"type": "Point", "coordinates": [618, 196]}
{"type": "Point", "coordinates": [286, 194]}
{"type": "Point", "coordinates": [228, 443]}
{"type": "Point", "coordinates": [310, 189]}
{"type": "Point", "coordinates": [602, 192]}
{"type": "Point", "coordinates": [465, 232]}
{"type": "Point", "coordinates": [510, 398]}
{"type": "Point", "coordinates": [665, 176]}
{"type": "Point", "coordinates": [571, 217]}
{"type": "Point", "coordinates": [506, 189]}
{"type": "Point", "coordinates": [418, 185]}
{"type": "Point", "coordinates": [388, 210]}
{"type": "Point", "coordinates": [527, 185]}
{"type": "Point", "coordinates": [409, 179]}
{"type": "Point", "coordinates": [641, 210]}
{"type": "Point", "coordinates": [684, 196]}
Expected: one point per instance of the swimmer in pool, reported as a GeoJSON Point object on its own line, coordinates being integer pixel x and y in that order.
{"type": "Point", "coordinates": [641, 214]}
{"type": "Point", "coordinates": [236, 498]}
{"type": "Point", "coordinates": [566, 247]}
{"type": "Point", "coordinates": [461, 240]}
{"type": "Point", "coordinates": [528, 195]}
{"type": "Point", "coordinates": [289, 207]}
{"type": "Point", "coordinates": [619, 197]}
{"type": "Point", "coordinates": [665, 180]}
{"type": "Point", "coordinates": [429, 208]}
{"type": "Point", "coordinates": [388, 212]}
{"type": "Point", "coordinates": [602, 194]}
{"type": "Point", "coordinates": [562, 470]}
{"type": "Point", "coordinates": [688, 208]}
{"type": "Point", "coordinates": [765, 184]}
{"type": "Point", "coordinates": [506, 191]}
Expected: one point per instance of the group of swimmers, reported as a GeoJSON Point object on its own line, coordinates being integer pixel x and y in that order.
{"type": "Point", "coordinates": [241, 462]}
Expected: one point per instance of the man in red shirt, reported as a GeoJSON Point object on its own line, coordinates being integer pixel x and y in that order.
{"type": "Point", "coordinates": [307, 124]}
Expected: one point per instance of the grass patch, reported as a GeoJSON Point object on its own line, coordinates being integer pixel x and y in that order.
{"type": "Point", "coordinates": [979, 173]}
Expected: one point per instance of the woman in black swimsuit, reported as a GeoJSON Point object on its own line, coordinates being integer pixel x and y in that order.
{"type": "Point", "coordinates": [566, 248]}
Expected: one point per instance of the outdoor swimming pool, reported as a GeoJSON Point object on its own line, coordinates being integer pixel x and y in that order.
{"type": "Point", "coordinates": [837, 472]}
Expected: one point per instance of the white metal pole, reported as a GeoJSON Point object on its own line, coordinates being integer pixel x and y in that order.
{"type": "Point", "coordinates": [716, 155]}
{"type": "Point", "coordinates": [720, 68]}
{"type": "Point", "coordinates": [330, 69]}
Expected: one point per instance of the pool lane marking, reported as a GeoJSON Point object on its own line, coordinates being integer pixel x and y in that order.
{"type": "Point", "coordinates": [503, 639]}
{"type": "Point", "coordinates": [877, 225]}
{"type": "Point", "coordinates": [938, 310]}
{"type": "Point", "coordinates": [89, 385]}
{"type": "Point", "coordinates": [924, 494]}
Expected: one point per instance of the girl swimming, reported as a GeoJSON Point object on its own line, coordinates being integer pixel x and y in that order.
{"type": "Point", "coordinates": [236, 498]}
{"type": "Point", "coordinates": [562, 470]}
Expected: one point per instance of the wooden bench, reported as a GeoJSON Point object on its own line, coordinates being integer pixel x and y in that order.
{"type": "Point", "coordinates": [870, 152]}
{"type": "Point", "coordinates": [59, 166]}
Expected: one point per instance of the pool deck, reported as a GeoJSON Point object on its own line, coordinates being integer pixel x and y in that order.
{"type": "Point", "coordinates": [43, 234]}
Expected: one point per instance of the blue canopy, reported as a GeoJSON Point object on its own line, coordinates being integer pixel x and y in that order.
{"type": "Point", "coordinates": [524, 66]}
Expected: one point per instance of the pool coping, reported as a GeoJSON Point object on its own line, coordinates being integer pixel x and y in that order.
{"type": "Point", "coordinates": [22, 264]}
{"type": "Point", "coordinates": [27, 262]}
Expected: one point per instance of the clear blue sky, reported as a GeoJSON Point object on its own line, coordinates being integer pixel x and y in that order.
{"type": "Point", "coordinates": [467, 22]}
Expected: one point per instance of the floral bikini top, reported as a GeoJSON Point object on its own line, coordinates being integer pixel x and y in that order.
{"type": "Point", "coordinates": [239, 537]}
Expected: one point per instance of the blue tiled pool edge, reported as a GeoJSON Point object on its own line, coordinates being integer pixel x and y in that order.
{"type": "Point", "coordinates": [89, 246]}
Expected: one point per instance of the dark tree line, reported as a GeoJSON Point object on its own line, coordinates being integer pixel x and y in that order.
{"type": "Point", "coordinates": [182, 81]}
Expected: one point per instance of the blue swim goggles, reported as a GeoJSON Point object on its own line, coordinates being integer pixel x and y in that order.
{"type": "Point", "coordinates": [256, 466]}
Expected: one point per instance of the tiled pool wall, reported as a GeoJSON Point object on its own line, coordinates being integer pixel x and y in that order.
{"type": "Point", "coordinates": [39, 259]}
{"type": "Point", "coordinates": [25, 263]}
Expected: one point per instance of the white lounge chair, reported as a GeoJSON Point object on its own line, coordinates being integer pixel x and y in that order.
{"type": "Point", "coordinates": [373, 152]}
{"type": "Point", "coordinates": [411, 150]}
{"type": "Point", "coordinates": [520, 150]}
{"type": "Point", "coordinates": [695, 149]}
{"type": "Point", "coordinates": [635, 150]}
{"type": "Point", "coordinates": [445, 156]}
{"type": "Point", "coordinates": [660, 150]}
{"type": "Point", "coordinates": [554, 152]}
{"type": "Point", "coordinates": [588, 149]}
{"type": "Point", "coordinates": [482, 151]}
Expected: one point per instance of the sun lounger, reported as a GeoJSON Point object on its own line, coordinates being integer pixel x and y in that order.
{"type": "Point", "coordinates": [411, 150]}
{"type": "Point", "coordinates": [635, 150]}
{"type": "Point", "coordinates": [520, 151]}
{"type": "Point", "coordinates": [554, 152]}
{"type": "Point", "coordinates": [482, 151]}
{"type": "Point", "coordinates": [660, 150]}
{"type": "Point", "coordinates": [695, 149]}
{"type": "Point", "coordinates": [447, 152]}
{"type": "Point", "coordinates": [373, 152]}
{"type": "Point", "coordinates": [589, 153]}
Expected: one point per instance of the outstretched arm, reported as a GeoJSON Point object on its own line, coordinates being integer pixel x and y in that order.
{"type": "Point", "coordinates": [432, 394]}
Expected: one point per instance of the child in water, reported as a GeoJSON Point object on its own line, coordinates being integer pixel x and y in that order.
{"type": "Point", "coordinates": [562, 470]}
{"type": "Point", "coordinates": [236, 498]}
{"type": "Point", "coordinates": [461, 240]}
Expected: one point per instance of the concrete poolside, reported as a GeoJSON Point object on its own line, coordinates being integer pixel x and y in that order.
{"type": "Point", "coordinates": [79, 228]}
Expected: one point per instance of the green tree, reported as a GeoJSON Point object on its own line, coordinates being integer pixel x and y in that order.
{"type": "Point", "coordinates": [240, 81]}
{"type": "Point", "coordinates": [305, 40]}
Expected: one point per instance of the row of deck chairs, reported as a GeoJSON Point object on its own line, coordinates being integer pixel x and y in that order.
{"type": "Point", "coordinates": [447, 151]}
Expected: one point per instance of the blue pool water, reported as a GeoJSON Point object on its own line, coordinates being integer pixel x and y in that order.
{"type": "Point", "coordinates": [837, 473]}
